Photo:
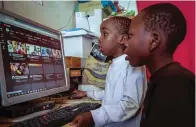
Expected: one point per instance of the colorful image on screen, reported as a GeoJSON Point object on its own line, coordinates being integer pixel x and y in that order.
{"type": "Point", "coordinates": [33, 50]}
{"type": "Point", "coordinates": [35, 68]}
{"type": "Point", "coordinates": [16, 47]}
{"type": "Point", "coordinates": [56, 53]}
{"type": "Point", "coordinates": [35, 65]}
{"type": "Point", "coordinates": [19, 68]}
{"type": "Point", "coordinates": [46, 52]}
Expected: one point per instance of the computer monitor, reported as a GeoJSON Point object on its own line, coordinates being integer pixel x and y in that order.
{"type": "Point", "coordinates": [32, 61]}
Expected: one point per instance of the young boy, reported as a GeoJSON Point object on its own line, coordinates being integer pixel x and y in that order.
{"type": "Point", "coordinates": [125, 85]}
{"type": "Point", "coordinates": [154, 35]}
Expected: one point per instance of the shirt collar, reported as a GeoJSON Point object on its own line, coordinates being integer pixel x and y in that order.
{"type": "Point", "coordinates": [161, 72]}
{"type": "Point", "coordinates": [119, 58]}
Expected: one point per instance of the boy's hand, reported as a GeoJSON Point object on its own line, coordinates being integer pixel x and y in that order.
{"type": "Point", "coordinates": [83, 120]}
{"type": "Point", "coordinates": [78, 94]}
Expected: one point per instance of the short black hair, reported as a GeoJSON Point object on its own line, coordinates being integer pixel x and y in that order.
{"type": "Point", "coordinates": [121, 24]}
{"type": "Point", "coordinates": [169, 18]}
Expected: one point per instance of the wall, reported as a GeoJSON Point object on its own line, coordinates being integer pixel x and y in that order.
{"type": "Point", "coordinates": [54, 14]}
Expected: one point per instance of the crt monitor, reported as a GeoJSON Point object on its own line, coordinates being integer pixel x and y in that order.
{"type": "Point", "coordinates": [32, 61]}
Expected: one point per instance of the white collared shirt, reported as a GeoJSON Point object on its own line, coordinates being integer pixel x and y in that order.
{"type": "Point", "coordinates": [123, 94]}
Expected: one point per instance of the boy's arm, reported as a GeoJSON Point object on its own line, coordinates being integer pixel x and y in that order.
{"type": "Point", "coordinates": [96, 95]}
{"type": "Point", "coordinates": [127, 107]}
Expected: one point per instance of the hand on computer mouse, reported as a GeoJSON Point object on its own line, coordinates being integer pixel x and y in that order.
{"type": "Point", "coordinates": [76, 94]}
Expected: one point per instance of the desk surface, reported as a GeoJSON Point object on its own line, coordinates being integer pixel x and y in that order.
{"type": "Point", "coordinates": [62, 102]}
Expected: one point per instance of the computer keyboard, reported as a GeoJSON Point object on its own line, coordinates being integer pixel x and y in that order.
{"type": "Point", "coordinates": [58, 118]}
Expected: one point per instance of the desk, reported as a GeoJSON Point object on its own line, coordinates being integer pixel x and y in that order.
{"type": "Point", "coordinates": [60, 103]}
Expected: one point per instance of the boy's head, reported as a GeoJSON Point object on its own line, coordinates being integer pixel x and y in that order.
{"type": "Point", "coordinates": [154, 32]}
{"type": "Point", "coordinates": [114, 32]}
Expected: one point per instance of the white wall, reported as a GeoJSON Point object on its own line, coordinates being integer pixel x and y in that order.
{"type": "Point", "coordinates": [54, 14]}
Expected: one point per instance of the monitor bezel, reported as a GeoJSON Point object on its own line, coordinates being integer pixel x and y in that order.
{"type": "Point", "coordinates": [5, 101]}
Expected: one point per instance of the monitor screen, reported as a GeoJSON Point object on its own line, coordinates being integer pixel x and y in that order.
{"type": "Point", "coordinates": [32, 62]}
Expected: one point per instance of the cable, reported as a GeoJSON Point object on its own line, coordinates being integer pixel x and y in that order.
{"type": "Point", "coordinates": [79, 82]}
{"type": "Point", "coordinates": [46, 98]}
{"type": "Point", "coordinates": [61, 103]}
{"type": "Point", "coordinates": [87, 16]}
{"type": "Point", "coordinates": [2, 4]}
{"type": "Point", "coordinates": [60, 95]}
{"type": "Point", "coordinates": [68, 21]}
{"type": "Point", "coordinates": [128, 6]}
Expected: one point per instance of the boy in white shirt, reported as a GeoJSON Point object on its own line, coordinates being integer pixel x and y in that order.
{"type": "Point", "coordinates": [125, 85]}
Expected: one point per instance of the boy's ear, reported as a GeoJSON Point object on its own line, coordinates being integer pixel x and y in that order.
{"type": "Point", "coordinates": [123, 39]}
{"type": "Point", "coordinates": [154, 41]}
